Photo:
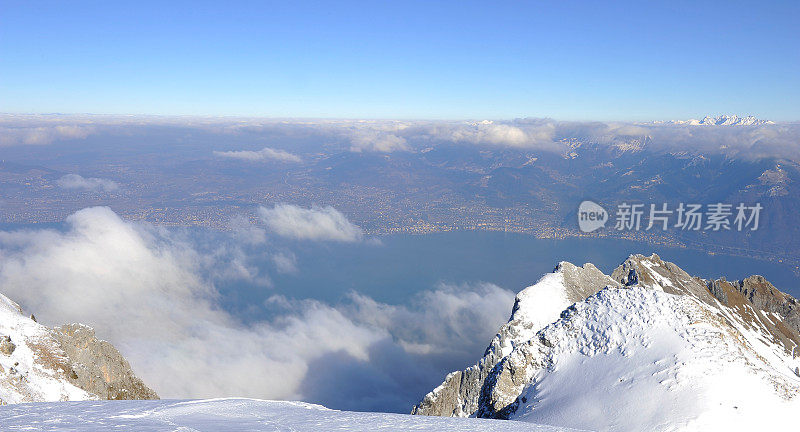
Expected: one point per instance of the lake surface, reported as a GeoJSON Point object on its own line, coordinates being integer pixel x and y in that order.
{"type": "Point", "coordinates": [403, 265]}
{"type": "Point", "coordinates": [392, 269]}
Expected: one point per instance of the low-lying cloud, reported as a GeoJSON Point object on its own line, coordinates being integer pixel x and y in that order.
{"type": "Point", "coordinates": [77, 182]}
{"type": "Point", "coordinates": [533, 135]}
{"type": "Point", "coordinates": [315, 223]}
{"type": "Point", "coordinates": [261, 155]}
{"type": "Point", "coordinates": [42, 134]}
{"type": "Point", "coordinates": [389, 136]}
{"type": "Point", "coordinates": [147, 290]}
{"type": "Point", "coordinates": [377, 141]}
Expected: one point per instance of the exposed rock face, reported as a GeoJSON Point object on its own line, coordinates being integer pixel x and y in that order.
{"type": "Point", "coordinates": [38, 363]}
{"type": "Point", "coordinates": [757, 305]}
{"type": "Point", "coordinates": [98, 367]}
{"type": "Point", "coordinates": [748, 324]}
{"type": "Point", "coordinates": [654, 273]}
{"type": "Point", "coordinates": [764, 296]}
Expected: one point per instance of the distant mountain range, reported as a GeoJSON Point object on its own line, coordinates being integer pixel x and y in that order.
{"type": "Point", "coordinates": [525, 175]}
{"type": "Point", "coordinates": [647, 348]}
{"type": "Point", "coordinates": [722, 120]}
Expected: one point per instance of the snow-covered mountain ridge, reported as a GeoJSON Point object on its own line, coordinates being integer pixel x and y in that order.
{"type": "Point", "coordinates": [722, 120]}
{"type": "Point", "coordinates": [38, 363]}
{"type": "Point", "coordinates": [647, 348]}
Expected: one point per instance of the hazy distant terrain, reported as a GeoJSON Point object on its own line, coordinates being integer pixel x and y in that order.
{"type": "Point", "coordinates": [411, 177]}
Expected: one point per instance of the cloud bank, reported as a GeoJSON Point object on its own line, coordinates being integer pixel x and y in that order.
{"type": "Point", "coordinates": [389, 136]}
{"type": "Point", "coordinates": [42, 134]}
{"type": "Point", "coordinates": [533, 135]}
{"type": "Point", "coordinates": [148, 290]}
{"type": "Point", "coordinates": [377, 141]}
{"type": "Point", "coordinates": [315, 223]}
{"type": "Point", "coordinates": [264, 154]}
{"type": "Point", "coordinates": [75, 181]}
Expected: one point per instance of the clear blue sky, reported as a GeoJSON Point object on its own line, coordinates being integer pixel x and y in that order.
{"type": "Point", "coordinates": [600, 60]}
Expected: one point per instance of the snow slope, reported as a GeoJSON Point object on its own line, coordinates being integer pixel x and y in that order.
{"type": "Point", "coordinates": [230, 415]}
{"type": "Point", "coordinates": [640, 359]}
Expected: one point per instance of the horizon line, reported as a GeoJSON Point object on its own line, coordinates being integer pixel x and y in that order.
{"type": "Point", "coordinates": [367, 119]}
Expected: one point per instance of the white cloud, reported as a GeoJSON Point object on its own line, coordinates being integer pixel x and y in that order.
{"type": "Point", "coordinates": [261, 155]}
{"type": "Point", "coordinates": [230, 262]}
{"type": "Point", "coordinates": [538, 134]}
{"type": "Point", "coordinates": [439, 320]}
{"type": "Point", "coordinates": [285, 262]}
{"type": "Point", "coordinates": [382, 142]}
{"type": "Point", "coordinates": [316, 223]}
{"type": "Point", "coordinates": [143, 288]}
{"type": "Point", "coordinates": [502, 134]}
{"type": "Point", "coordinates": [42, 134]}
{"type": "Point", "coordinates": [75, 181]}
{"type": "Point", "coordinates": [245, 232]}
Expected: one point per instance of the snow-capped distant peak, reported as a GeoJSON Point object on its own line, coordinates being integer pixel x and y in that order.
{"type": "Point", "coordinates": [722, 120]}
{"type": "Point", "coordinates": [732, 120]}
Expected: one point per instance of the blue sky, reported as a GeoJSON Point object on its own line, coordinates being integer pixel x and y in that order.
{"type": "Point", "coordinates": [380, 59]}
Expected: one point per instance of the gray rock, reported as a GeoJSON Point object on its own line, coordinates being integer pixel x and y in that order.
{"type": "Point", "coordinates": [97, 367]}
{"type": "Point", "coordinates": [6, 346]}
{"type": "Point", "coordinates": [763, 295]}
{"type": "Point", "coordinates": [653, 272]}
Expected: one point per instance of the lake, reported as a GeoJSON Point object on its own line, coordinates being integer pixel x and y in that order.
{"type": "Point", "coordinates": [395, 268]}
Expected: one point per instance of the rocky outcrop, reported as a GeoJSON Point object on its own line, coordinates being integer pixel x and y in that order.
{"type": "Point", "coordinates": [764, 296]}
{"type": "Point", "coordinates": [6, 346]}
{"type": "Point", "coordinates": [756, 305]}
{"type": "Point", "coordinates": [38, 363]}
{"type": "Point", "coordinates": [97, 367]}
{"type": "Point", "coordinates": [654, 273]}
